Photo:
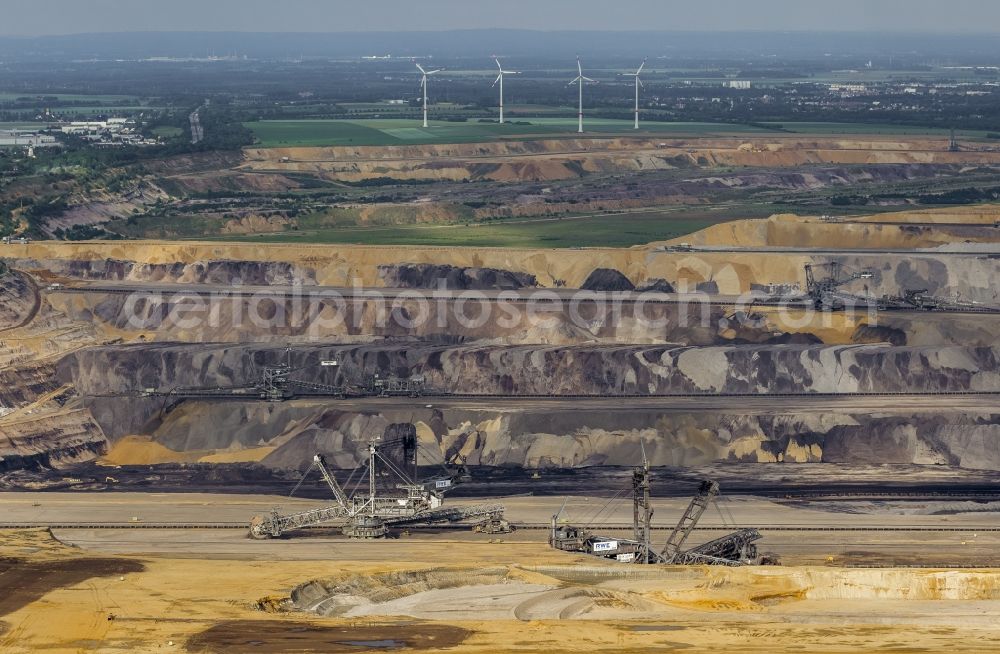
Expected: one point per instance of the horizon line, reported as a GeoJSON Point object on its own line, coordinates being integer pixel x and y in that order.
{"type": "Point", "coordinates": [876, 31]}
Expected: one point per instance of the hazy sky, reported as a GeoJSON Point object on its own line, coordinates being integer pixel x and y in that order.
{"type": "Point", "coordinates": [33, 17]}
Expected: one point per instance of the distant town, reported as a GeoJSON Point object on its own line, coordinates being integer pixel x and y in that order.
{"type": "Point", "coordinates": [110, 132]}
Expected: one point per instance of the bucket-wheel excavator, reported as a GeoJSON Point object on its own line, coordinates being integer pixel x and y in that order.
{"type": "Point", "coordinates": [371, 511]}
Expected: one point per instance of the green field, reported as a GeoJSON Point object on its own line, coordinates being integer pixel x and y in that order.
{"type": "Point", "coordinates": [292, 133]}
{"type": "Point", "coordinates": [6, 96]}
{"type": "Point", "coordinates": [617, 230]}
{"type": "Point", "coordinates": [872, 129]}
{"type": "Point", "coordinates": [396, 131]}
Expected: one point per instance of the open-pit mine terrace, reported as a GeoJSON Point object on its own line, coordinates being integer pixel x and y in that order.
{"type": "Point", "coordinates": [558, 159]}
{"type": "Point", "coordinates": [862, 445]}
{"type": "Point", "coordinates": [136, 352]}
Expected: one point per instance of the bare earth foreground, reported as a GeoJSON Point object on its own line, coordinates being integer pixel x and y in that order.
{"type": "Point", "coordinates": [164, 589]}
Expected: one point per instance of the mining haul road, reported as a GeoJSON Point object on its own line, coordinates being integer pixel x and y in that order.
{"type": "Point", "coordinates": [213, 525]}
{"type": "Point", "coordinates": [540, 296]}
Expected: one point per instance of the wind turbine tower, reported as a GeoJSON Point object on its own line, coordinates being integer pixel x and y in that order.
{"type": "Point", "coordinates": [423, 84]}
{"type": "Point", "coordinates": [580, 79]}
{"type": "Point", "coordinates": [638, 83]}
{"type": "Point", "coordinates": [499, 80]}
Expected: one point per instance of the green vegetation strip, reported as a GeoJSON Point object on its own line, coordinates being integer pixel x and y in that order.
{"type": "Point", "coordinates": [616, 230]}
{"type": "Point", "coordinates": [395, 131]}
{"type": "Point", "coordinates": [405, 131]}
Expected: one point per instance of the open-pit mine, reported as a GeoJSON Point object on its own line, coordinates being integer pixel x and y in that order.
{"type": "Point", "coordinates": [773, 432]}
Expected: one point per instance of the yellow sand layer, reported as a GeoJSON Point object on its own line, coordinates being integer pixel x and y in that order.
{"type": "Point", "coordinates": [734, 272]}
{"type": "Point", "coordinates": [170, 600]}
{"type": "Point", "coordinates": [141, 450]}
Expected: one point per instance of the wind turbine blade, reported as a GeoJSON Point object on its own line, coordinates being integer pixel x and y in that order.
{"type": "Point", "coordinates": [574, 81]}
{"type": "Point", "coordinates": [587, 79]}
{"type": "Point", "coordinates": [498, 63]}
{"type": "Point", "coordinates": [431, 72]}
{"type": "Point", "coordinates": [497, 80]}
{"type": "Point", "coordinates": [638, 79]}
{"type": "Point", "coordinates": [579, 67]}
{"type": "Point", "coordinates": [421, 68]}
{"type": "Point", "coordinates": [641, 67]}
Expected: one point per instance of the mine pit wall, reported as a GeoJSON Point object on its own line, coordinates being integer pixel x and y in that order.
{"type": "Point", "coordinates": [54, 440]}
{"type": "Point", "coordinates": [752, 147]}
{"type": "Point", "coordinates": [24, 383]}
{"type": "Point", "coordinates": [563, 438]}
{"type": "Point", "coordinates": [971, 276]}
{"type": "Point", "coordinates": [286, 436]}
{"type": "Point", "coordinates": [172, 317]}
{"type": "Point", "coordinates": [169, 317]}
{"type": "Point", "coordinates": [540, 370]}
{"type": "Point", "coordinates": [50, 446]}
{"type": "Point", "coordinates": [576, 158]}
{"type": "Point", "coordinates": [225, 272]}
{"type": "Point", "coordinates": [18, 298]}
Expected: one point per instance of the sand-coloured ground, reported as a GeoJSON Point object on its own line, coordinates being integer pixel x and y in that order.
{"type": "Point", "coordinates": [898, 232]}
{"type": "Point", "coordinates": [497, 596]}
{"type": "Point", "coordinates": [731, 272]}
{"type": "Point", "coordinates": [549, 160]}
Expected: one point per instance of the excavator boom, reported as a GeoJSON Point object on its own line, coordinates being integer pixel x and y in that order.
{"type": "Point", "coordinates": [338, 492]}
{"type": "Point", "coordinates": [699, 503]}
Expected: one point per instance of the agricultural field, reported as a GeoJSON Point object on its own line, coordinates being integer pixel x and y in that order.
{"type": "Point", "coordinates": [606, 230]}
{"type": "Point", "coordinates": [295, 133]}
{"type": "Point", "coordinates": [8, 96]}
{"type": "Point", "coordinates": [870, 129]}
{"type": "Point", "coordinates": [396, 131]}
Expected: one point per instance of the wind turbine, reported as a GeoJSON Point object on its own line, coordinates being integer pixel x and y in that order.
{"type": "Point", "coordinates": [638, 83]}
{"type": "Point", "coordinates": [499, 80]}
{"type": "Point", "coordinates": [423, 83]}
{"type": "Point", "coordinates": [580, 79]}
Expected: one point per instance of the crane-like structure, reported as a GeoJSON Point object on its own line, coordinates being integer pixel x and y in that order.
{"type": "Point", "coordinates": [734, 549]}
{"type": "Point", "coordinates": [370, 511]}
{"type": "Point", "coordinates": [278, 382]}
{"type": "Point", "coordinates": [707, 491]}
{"type": "Point", "coordinates": [921, 299]}
{"type": "Point", "coordinates": [642, 509]}
{"type": "Point", "coordinates": [825, 291]}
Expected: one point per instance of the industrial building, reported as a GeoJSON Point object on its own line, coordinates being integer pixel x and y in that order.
{"type": "Point", "coordinates": [25, 138]}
